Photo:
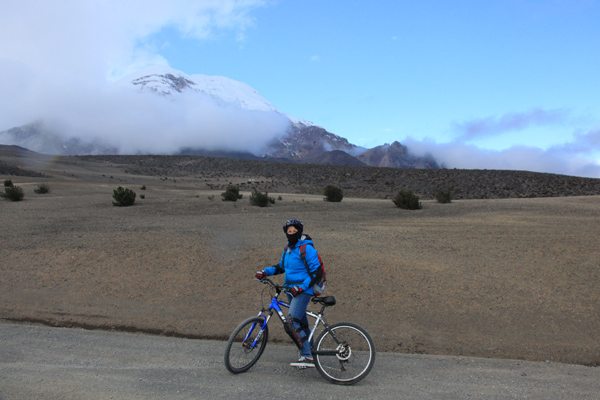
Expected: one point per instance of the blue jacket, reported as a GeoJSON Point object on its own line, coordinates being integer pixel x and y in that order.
{"type": "Point", "coordinates": [293, 266]}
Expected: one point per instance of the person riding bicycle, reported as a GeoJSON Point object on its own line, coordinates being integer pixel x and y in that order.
{"type": "Point", "coordinates": [298, 281]}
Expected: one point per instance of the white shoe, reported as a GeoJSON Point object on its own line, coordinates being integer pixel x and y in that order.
{"type": "Point", "coordinates": [303, 362]}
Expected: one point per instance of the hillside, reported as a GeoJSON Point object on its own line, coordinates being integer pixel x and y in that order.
{"type": "Point", "coordinates": [356, 181]}
{"type": "Point", "coordinates": [504, 278]}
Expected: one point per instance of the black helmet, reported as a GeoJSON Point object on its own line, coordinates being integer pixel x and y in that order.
{"type": "Point", "coordinates": [295, 223]}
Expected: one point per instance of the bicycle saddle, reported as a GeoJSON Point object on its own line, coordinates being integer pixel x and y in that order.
{"type": "Point", "coordinates": [328, 301]}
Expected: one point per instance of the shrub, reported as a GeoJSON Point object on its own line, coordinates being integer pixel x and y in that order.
{"type": "Point", "coordinates": [444, 196]}
{"type": "Point", "coordinates": [123, 197]}
{"type": "Point", "coordinates": [142, 196]}
{"type": "Point", "coordinates": [407, 200]}
{"type": "Point", "coordinates": [13, 193]}
{"type": "Point", "coordinates": [8, 183]}
{"type": "Point", "coordinates": [333, 193]}
{"type": "Point", "coordinates": [42, 189]}
{"type": "Point", "coordinates": [261, 199]}
{"type": "Point", "coordinates": [143, 187]}
{"type": "Point", "coordinates": [232, 194]}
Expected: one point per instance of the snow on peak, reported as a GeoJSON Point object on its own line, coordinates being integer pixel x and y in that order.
{"type": "Point", "coordinates": [167, 81]}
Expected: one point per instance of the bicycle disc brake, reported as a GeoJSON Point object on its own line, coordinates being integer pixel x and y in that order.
{"type": "Point", "coordinates": [344, 352]}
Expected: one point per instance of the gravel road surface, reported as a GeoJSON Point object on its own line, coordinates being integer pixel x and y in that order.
{"type": "Point", "coordinates": [38, 362]}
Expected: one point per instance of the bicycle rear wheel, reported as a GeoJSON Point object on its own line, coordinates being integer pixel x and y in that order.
{"type": "Point", "coordinates": [345, 353]}
{"type": "Point", "coordinates": [246, 344]}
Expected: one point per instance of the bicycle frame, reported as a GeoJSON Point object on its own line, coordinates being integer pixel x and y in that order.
{"type": "Point", "coordinates": [343, 352]}
{"type": "Point", "coordinates": [276, 305]}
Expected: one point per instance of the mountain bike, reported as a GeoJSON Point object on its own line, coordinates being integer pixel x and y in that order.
{"type": "Point", "coordinates": [343, 353]}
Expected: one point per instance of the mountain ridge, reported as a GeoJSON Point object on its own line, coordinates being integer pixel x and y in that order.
{"type": "Point", "coordinates": [302, 141]}
{"type": "Point", "coordinates": [357, 181]}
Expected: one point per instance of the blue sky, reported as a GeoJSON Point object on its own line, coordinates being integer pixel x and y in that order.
{"type": "Point", "coordinates": [507, 84]}
{"type": "Point", "coordinates": [381, 71]}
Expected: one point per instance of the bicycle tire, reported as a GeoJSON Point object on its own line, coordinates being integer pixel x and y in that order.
{"type": "Point", "coordinates": [239, 357]}
{"type": "Point", "coordinates": [348, 363]}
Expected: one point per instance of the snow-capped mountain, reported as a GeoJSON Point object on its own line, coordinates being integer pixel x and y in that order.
{"type": "Point", "coordinates": [169, 82]}
{"type": "Point", "coordinates": [301, 141]}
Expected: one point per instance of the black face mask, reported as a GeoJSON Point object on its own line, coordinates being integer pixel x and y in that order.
{"type": "Point", "coordinates": [293, 238]}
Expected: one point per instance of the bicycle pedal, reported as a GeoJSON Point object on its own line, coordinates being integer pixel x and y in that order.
{"type": "Point", "coordinates": [300, 365]}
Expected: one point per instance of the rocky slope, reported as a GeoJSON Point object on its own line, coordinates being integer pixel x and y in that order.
{"type": "Point", "coordinates": [396, 156]}
{"type": "Point", "coordinates": [356, 181]}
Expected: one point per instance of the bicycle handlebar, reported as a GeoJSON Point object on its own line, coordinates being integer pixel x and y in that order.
{"type": "Point", "coordinates": [280, 289]}
{"type": "Point", "coordinates": [275, 286]}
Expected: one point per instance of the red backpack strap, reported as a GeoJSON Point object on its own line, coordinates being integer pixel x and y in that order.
{"type": "Point", "coordinates": [303, 253]}
{"type": "Point", "coordinates": [313, 275]}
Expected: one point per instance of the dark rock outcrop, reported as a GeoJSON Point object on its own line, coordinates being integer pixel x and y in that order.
{"type": "Point", "coordinates": [395, 155]}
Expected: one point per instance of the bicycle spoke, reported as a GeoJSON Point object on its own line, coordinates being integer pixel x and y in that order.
{"type": "Point", "coordinates": [245, 345]}
{"type": "Point", "coordinates": [355, 354]}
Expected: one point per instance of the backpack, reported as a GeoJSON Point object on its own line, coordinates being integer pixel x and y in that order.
{"type": "Point", "coordinates": [318, 279]}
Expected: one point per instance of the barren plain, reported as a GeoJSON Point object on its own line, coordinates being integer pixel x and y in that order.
{"type": "Point", "coordinates": [505, 278]}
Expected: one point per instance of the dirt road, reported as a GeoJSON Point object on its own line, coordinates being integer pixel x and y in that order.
{"type": "Point", "coordinates": [56, 363]}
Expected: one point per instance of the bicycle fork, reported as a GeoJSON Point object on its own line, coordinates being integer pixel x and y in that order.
{"type": "Point", "coordinates": [274, 306]}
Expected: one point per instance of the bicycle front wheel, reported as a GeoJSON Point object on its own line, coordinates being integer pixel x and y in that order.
{"type": "Point", "coordinates": [246, 344]}
{"type": "Point", "coordinates": [345, 353]}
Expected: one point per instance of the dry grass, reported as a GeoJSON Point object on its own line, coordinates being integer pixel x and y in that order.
{"type": "Point", "coordinates": [514, 278]}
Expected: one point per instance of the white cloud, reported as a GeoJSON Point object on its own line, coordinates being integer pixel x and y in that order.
{"type": "Point", "coordinates": [579, 158]}
{"type": "Point", "coordinates": [100, 37]}
{"type": "Point", "coordinates": [57, 59]}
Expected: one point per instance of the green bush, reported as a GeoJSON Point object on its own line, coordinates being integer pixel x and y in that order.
{"type": "Point", "coordinates": [407, 200]}
{"type": "Point", "coordinates": [333, 193]}
{"type": "Point", "coordinates": [444, 196]}
{"type": "Point", "coordinates": [123, 197]}
{"type": "Point", "coordinates": [13, 193]}
{"type": "Point", "coordinates": [232, 194]}
{"type": "Point", "coordinates": [42, 189]}
{"type": "Point", "coordinates": [261, 199]}
{"type": "Point", "coordinates": [8, 183]}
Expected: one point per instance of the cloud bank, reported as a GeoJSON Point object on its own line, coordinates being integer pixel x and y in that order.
{"type": "Point", "coordinates": [577, 158]}
{"type": "Point", "coordinates": [58, 60]}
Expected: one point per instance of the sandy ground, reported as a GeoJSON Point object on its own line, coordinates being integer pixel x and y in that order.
{"type": "Point", "coordinates": [511, 278]}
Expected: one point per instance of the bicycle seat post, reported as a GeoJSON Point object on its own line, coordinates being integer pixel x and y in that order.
{"type": "Point", "coordinates": [323, 307]}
